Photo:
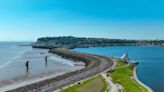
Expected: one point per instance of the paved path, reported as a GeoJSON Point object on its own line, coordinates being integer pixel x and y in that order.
{"type": "Point", "coordinates": [122, 66]}
{"type": "Point", "coordinates": [112, 87]}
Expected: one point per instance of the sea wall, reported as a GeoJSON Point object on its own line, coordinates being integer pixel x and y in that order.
{"type": "Point", "coordinates": [94, 65]}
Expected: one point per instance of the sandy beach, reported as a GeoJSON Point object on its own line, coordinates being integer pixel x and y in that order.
{"type": "Point", "coordinates": [14, 73]}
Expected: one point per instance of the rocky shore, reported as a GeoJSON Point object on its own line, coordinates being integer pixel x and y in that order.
{"type": "Point", "coordinates": [94, 64]}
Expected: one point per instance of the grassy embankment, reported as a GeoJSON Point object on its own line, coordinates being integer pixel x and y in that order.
{"type": "Point", "coordinates": [123, 75]}
{"type": "Point", "coordinates": [95, 84]}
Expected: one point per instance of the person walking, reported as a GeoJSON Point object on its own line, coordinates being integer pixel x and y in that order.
{"type": "Point", "coordinates": [27, 65]}
{"type": "Point", "coordinates": [46, 60]}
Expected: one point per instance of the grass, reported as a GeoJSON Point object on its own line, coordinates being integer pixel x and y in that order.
{"type": "Point", "coordinates": [96, 84]}
{"type": "Point", "coordinates": [124, 77]}
{"type": "Point", "coordinates": [120, 63]}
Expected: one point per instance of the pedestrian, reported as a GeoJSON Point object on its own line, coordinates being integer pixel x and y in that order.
{"type": "Point", "coordinates": [27, 65]}
{"type": "Point", "coordinates": [46, 60]}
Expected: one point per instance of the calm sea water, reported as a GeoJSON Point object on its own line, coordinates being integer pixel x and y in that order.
{"type": "Point", "coordinates": [151, 67]}
{"type": "Point", "coordinates": [14, 57]}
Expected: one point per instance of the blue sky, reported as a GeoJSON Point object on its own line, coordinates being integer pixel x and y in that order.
{"type": "Point", "coordinates": [26, 20]}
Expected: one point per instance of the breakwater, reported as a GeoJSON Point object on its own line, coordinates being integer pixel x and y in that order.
{"type": "Point", "coordinates": [94, 64]}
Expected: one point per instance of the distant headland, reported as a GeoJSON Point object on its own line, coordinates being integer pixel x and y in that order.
{"type": "Point", "coordinates": [71, 42]}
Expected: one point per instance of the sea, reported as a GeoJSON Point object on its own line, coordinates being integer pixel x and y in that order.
{"type": "Point", "coordinates": [151, 61]}
{"type": "Point", "coordinates": [13, 58]}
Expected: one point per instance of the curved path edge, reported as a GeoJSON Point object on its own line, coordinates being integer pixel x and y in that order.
{"type": "Point", "coordinates": [141, 83]}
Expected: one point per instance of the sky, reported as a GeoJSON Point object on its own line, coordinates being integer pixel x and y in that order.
{"type": "Point", "coordinates": [27, 20]}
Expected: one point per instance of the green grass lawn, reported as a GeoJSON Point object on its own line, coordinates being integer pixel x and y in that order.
{"type": "Point", "coordinates": [120, 63]}
{"type": "Point", "coordinates": [96, 84]}
{"type": "Point", "coordinates": [124, 76]}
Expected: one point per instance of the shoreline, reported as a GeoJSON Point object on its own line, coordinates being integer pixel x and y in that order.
{"type": "Point", "coordinates": [66, 55]}
{"type": "Point", "coordinates": [23, 80]}
{"type": "Point", "coordinates": [140, 82]}
{"type": "Point", "coordinates": [94, 65]}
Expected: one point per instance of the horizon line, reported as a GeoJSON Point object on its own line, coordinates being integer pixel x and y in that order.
{"type": "Point", "coordinates": [77, 37]}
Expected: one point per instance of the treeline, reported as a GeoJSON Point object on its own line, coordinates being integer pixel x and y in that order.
{"type": "Point", "coordinates": [74, 42]}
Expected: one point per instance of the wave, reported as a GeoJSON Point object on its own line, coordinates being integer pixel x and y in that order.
{"type": "Point", "coordinates": [10, 61]}
{"type": "Point", "coordinates": [5, 64]}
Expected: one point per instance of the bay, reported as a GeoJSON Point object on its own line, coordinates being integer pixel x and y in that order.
{"type": "Point", "coordinates": [151, 61]}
